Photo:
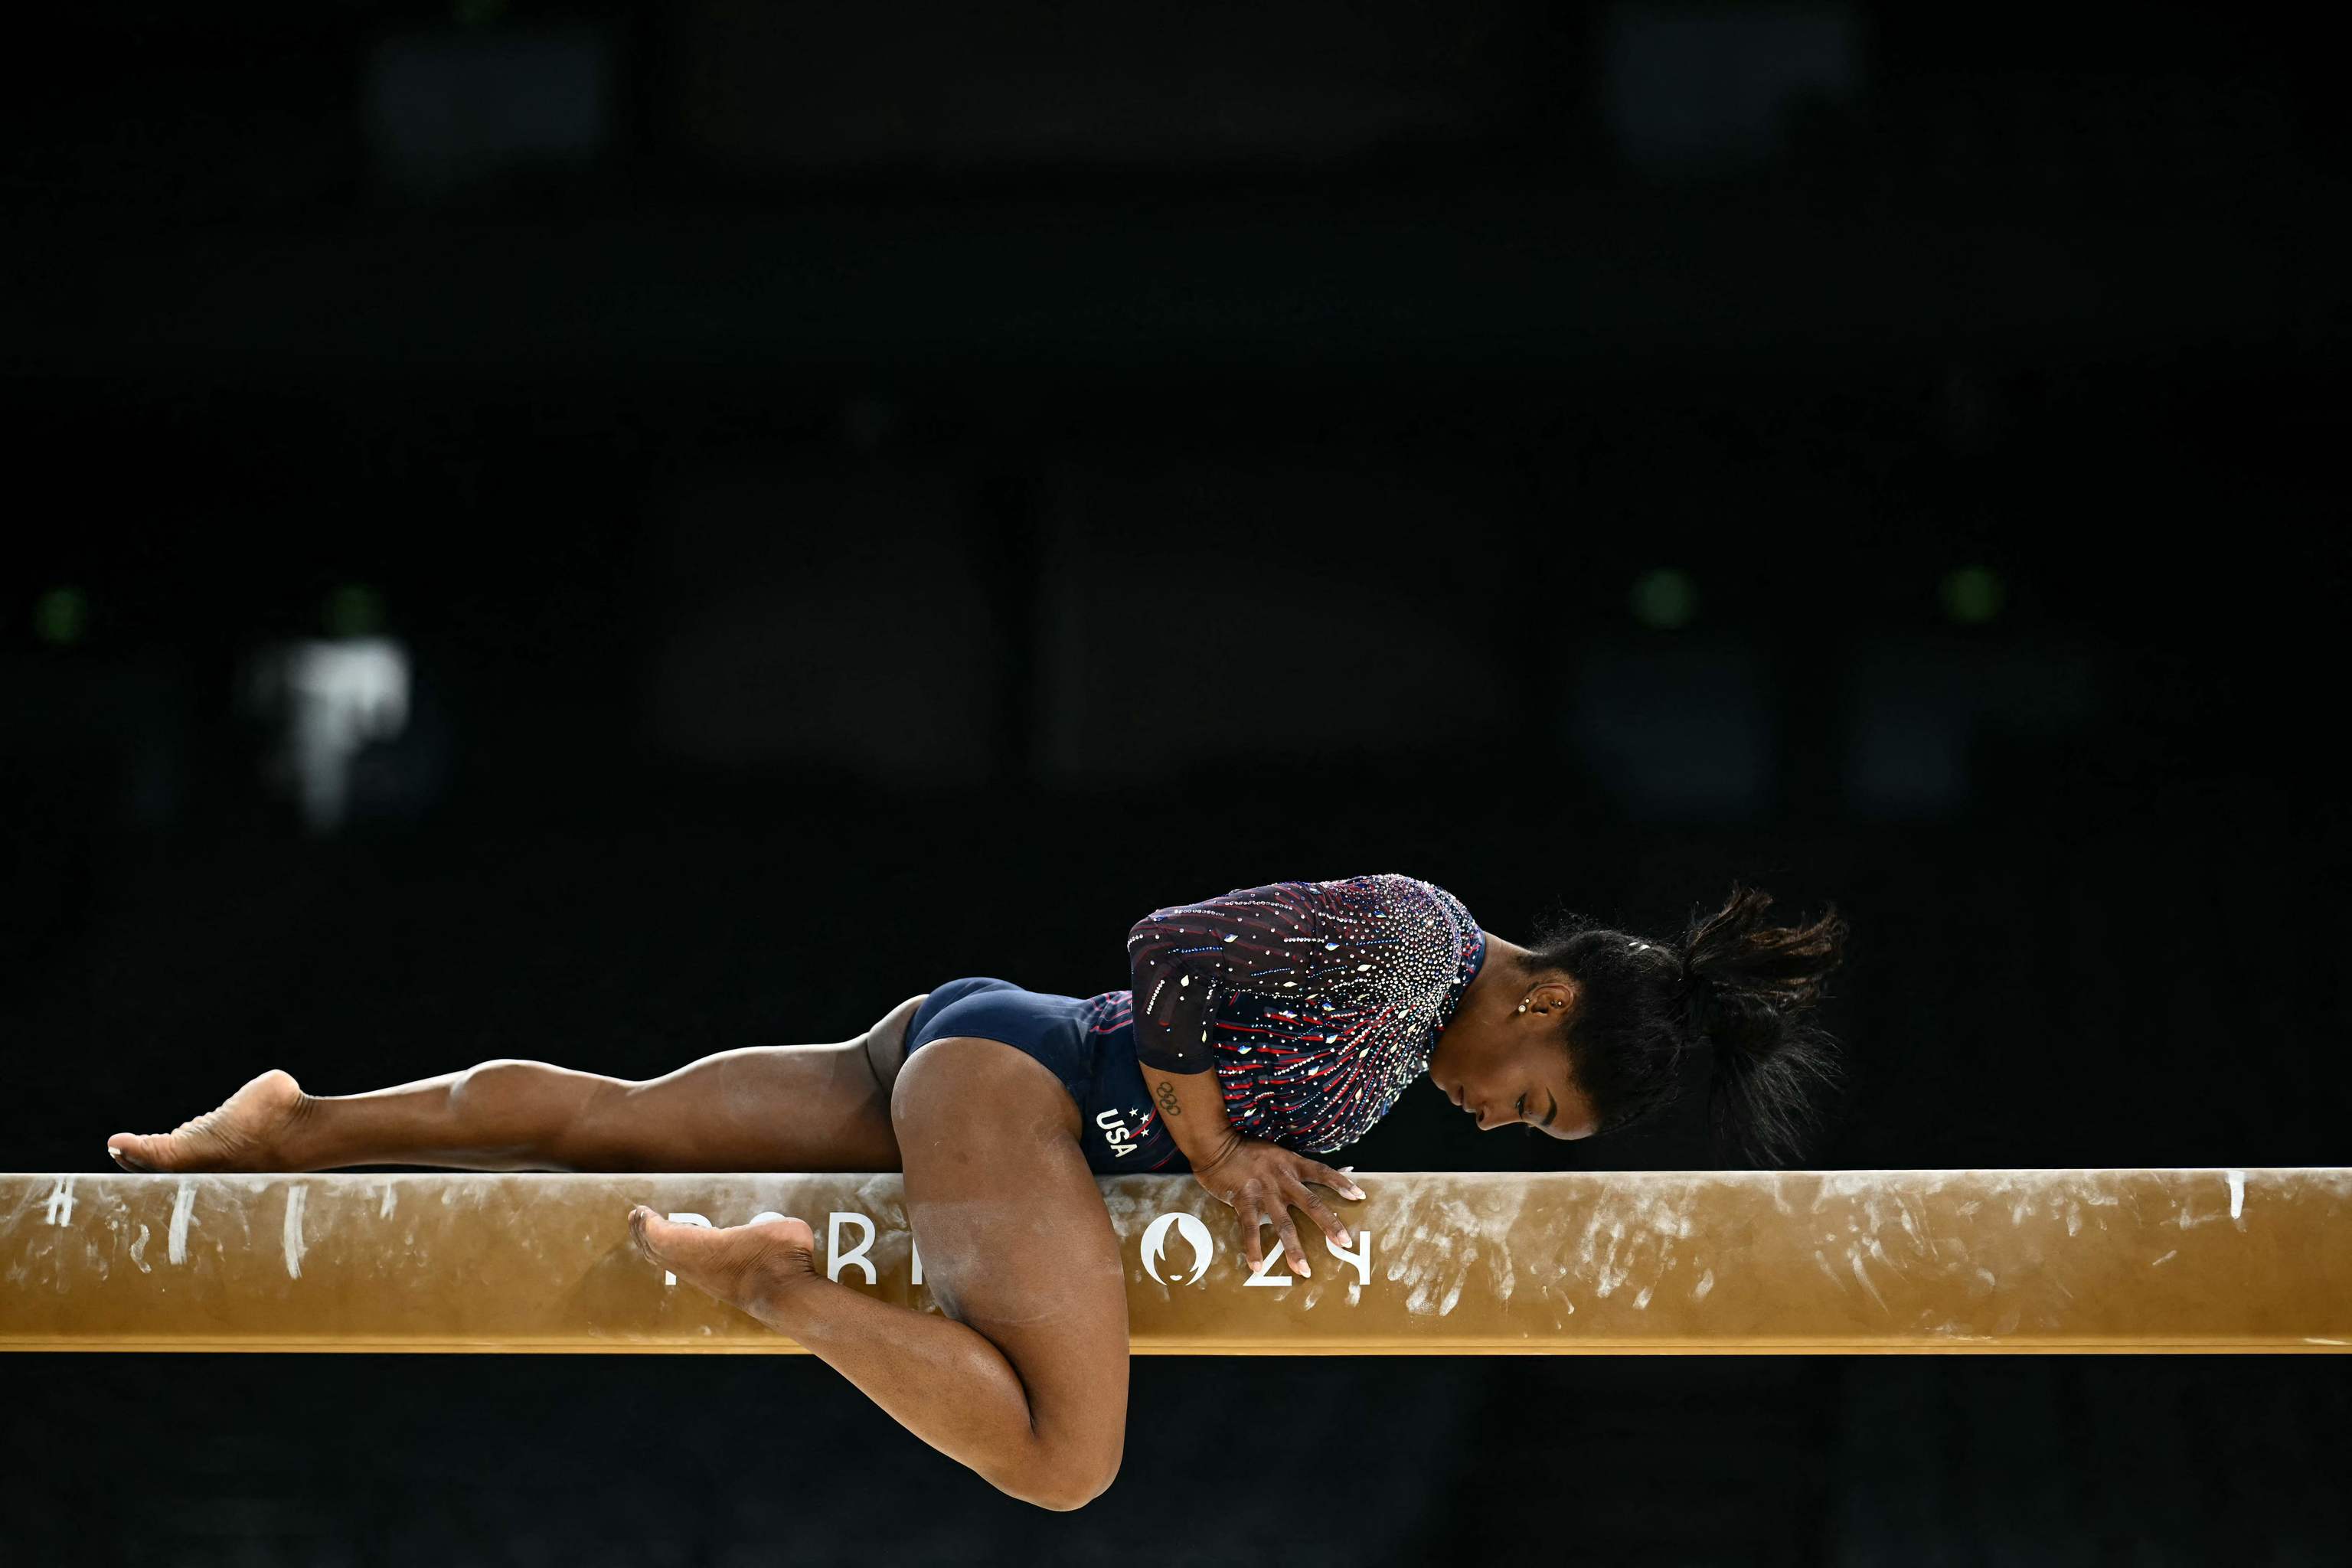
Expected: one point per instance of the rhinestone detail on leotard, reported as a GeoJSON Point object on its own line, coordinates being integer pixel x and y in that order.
{"type": "Point", "coordinates": [1317, 1003]}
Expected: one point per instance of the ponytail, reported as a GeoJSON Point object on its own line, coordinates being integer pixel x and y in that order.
{"type": "Point", "coordinates": [1738, 987]}
{"type": "Point", "coordinates": [1747, 989]}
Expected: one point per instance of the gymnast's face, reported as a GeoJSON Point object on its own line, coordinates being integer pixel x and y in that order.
{"type": "Point", "coordinates": [1507, 1068]}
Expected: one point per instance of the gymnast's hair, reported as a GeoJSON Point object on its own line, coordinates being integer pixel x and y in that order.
{"type": "Point", "coordinates": [1735, 985]}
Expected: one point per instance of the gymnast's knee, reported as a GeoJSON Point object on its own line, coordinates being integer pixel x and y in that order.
{"type": "Point", "coordinates": [1067, 1483]}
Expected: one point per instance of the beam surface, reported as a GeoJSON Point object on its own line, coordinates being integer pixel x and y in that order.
{"type": "Point", "coordinates": [1672, 1262]}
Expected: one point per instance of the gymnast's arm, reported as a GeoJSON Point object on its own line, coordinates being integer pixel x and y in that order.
{"type": "Point", "coordinates": [1185, 958]}
{"type": "Point", "coordinates": [1268, 942]}
{"type": "Point", "coordinates": [1192, 1108]}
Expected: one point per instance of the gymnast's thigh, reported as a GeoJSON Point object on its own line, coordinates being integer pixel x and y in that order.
{"type": "Point", "coordinates": [1017, 1242]}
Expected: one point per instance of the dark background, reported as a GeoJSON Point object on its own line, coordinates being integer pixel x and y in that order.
{"type": "Point", "coordinates": [614, 533]}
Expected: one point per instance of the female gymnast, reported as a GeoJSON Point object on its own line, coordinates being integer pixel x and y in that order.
{"type": "Point", "coordinates": [1273, 1020]}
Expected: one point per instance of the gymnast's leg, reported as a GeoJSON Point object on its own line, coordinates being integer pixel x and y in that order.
{"type": "Point", "coordinates": [764, 1108]}
{"type": "Point", "coordinates": [1024, 1379]}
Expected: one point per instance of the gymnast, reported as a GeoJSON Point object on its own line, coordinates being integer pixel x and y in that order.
{"type": "Point", "coordinates": [1262, 1026]}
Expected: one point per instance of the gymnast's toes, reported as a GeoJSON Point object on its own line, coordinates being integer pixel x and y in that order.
{"type": "Point", "coordinates": [742, 1264]}
{"type": "Point", "coordinates": [247, 1133]}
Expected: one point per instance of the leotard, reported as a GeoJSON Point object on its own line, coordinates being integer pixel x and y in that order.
{"type": "Point", "coordinates": [1317, 1004]}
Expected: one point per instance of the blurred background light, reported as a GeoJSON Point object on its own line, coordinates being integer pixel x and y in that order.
{"type": "Point", "coordinates": [61, 616]}
{"type": "Point", "coordinates": [325, 700]}
{"type": "Point", "coordinates": [1972, 596]}
{"type": "Point", "coordinates": [1664, 599]}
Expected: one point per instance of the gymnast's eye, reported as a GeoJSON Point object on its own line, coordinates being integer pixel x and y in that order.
{"type": "Point", "coordinates": [1521, 1108]}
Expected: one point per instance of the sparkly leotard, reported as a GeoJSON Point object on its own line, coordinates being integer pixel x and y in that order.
{"type": "Point", "coordinates": [1317, 1004]}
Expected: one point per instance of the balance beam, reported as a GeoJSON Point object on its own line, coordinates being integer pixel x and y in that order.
{"type": "Point", "coordinates": [1445, 1264]}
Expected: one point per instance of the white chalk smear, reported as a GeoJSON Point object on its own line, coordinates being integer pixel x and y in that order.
{"type": "Point", "coordinates": [183, 1204]}
{"type": "Point", "coordinates": [383, 1209]}
{"type": "Point", "coordinates": [1705, 1283]}
{"type": "Point", "coordinates": [2167, 1258]}
{"type": "Point", "coordinates": [61, 1202]}
{"type": "Point", "coordinates": [1862, 1276]}
{"type": "Point", "coordinates": [2237, 1194]}
{"type": "Point", "coordinates": [139, 1251]}
{"type": "Point", "coordinates": [296, 1197]}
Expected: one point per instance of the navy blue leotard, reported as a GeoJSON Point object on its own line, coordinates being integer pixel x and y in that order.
{"type": "Point", "coordinates": [1316, 1003]}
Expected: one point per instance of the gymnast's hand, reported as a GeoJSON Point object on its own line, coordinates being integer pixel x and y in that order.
{"type": "Point", "coordinates": [1262, 1181]}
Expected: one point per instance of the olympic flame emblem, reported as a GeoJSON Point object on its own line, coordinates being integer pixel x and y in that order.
{"type": "Point", "coordinates": [1196, 1237]}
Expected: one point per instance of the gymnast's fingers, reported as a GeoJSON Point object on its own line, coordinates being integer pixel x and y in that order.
{"type": "Point", "coordinates": [1321, 1212]}
{"type": "Point", "coordinates": [1338, 1182]}
{"type": "Point", "coordinates": [1246, 1209]}
{"type": "Point", "coordinates": [1290, 1234]}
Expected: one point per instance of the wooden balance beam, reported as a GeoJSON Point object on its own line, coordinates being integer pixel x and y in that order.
{"type": "Point", "coordinates": [1445, 1263]}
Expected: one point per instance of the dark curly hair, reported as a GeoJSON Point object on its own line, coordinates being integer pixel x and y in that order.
{"type": "Point", "coordinates": [1735, 984]}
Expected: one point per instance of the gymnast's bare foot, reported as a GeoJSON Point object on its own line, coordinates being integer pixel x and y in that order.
{"type": "Point", "coordinates": [744, 1265]}
{"type": "Point", "coordinates": [248, 1132]}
